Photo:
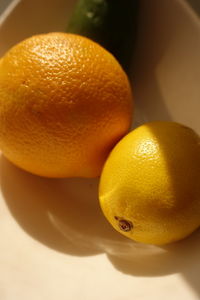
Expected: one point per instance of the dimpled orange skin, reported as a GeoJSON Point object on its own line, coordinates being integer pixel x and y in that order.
{"type": "Point", "coordinates": [64, 103]}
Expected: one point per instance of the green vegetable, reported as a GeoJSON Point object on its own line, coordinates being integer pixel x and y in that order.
{"type": "Point", "coordinates": [111, 23]}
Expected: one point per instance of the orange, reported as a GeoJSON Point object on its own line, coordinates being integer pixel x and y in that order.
{"type": "Point", "coordinates": [150, 184]}
{"type": "Point", "coordinates": [64, 103]}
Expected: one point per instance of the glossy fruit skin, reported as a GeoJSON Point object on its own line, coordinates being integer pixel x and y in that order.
{"type": "Point", "coordinates": [150, 184]}
{"type": "Point", "coordinates": [64, 103]}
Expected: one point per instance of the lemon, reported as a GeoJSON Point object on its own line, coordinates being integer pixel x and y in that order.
{"type": "Point", "coordinates": [150, 185]}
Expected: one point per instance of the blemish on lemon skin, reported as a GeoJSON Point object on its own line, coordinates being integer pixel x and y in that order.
{"type": "Point", "coordinates": [124, 225]}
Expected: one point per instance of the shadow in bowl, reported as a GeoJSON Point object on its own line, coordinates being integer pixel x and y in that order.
{"type": "Point", "coordinates": [181, 257]}
{"type": "Point", "coordinates": [154, 37]}
{"type": "Point", "coordinates": [64, 214]}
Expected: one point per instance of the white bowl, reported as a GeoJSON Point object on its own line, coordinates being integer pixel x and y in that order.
{"type": "Point", "coordinates": [55, 242]}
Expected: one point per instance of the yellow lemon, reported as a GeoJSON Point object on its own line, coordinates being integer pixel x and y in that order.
{"type": "Point", "coordinates": [150, 184]}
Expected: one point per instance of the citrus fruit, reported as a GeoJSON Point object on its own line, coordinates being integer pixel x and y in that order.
{"type": "Point", "coordinates": [64, 103]}
{"type": "Point", "coordinates": [150, 184]}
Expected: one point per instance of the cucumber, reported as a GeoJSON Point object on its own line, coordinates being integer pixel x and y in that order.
{"type": "Point", "coordinates": [111, 23]}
